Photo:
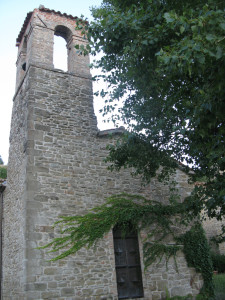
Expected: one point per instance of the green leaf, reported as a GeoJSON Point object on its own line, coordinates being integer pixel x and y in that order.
{"type": "Point", "coordinates": [182, 29]}
{"type": "Point", "coordinates": [168, 17]}
{"type": "Point", "coordinates": [222, 25]}
{"type": "Point", "coordinates": [210, 37]}
{"type": "Point", "coordinates": [145, 42]}
{"type": "Point", "coordinates": [194, 28]}
{"type": "Point", "coordinates": [201, 58]}
{"type": "Point", "coordinates": [219, 52]}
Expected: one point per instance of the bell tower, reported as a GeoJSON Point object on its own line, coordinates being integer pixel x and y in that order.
{"type": "Point", "coordinates": [52, 116]}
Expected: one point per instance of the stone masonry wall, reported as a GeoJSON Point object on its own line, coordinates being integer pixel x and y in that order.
{"type": "Point", "coordinates": [14, 207]}
{"type": "Point", "coordinates": [213, 228]}
{"type": "Point", "coordinates": [57, 168]}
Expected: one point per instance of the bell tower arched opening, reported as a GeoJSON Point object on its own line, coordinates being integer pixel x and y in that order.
{"type": "Point", "coordinates": [60, 60]}
{"type": "Point", "coordinates": [62, 37]}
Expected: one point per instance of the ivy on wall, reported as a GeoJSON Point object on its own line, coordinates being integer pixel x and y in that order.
{"type": "Point", "coordinates": [197, 254]}
{"type": "Point", "coordinates": [158, 221]}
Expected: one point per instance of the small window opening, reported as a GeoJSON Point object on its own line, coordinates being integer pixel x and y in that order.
{"type": "Point", "coordinates": [60, 53]}
{"type": "Point", "coordinates": [128, 268]}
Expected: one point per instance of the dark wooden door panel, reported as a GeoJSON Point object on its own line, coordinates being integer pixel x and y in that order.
{"type": "Point", "coordinates": [132, 252]}
{"type": "Point", "coordinates": [120, 252]}
{"type": "Point", "coordinates": [128, 269]}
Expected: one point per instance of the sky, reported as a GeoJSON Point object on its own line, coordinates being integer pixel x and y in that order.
{"type": "Point", "coordinates": [12, 15]}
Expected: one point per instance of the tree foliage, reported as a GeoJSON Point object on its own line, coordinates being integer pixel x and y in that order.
{"type": "Point", "coordinates": [165, 61]}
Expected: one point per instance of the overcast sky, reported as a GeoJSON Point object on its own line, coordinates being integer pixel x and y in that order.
{"type": "Point", "coordinates": [12, 15]}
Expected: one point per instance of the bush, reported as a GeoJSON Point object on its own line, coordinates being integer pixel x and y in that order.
{"type": "Point", "coordinates": [3, 172]}
{"type": "Point", "coordinates": [218, 262]}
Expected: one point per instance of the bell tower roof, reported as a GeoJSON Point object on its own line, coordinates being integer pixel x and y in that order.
{"type": "Point", "coordinates": [41, 8]}
{"type": "Point", "coordinates": [36, 42]}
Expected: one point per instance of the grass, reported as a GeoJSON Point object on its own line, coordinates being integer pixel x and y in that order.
{"type": "Point", "coordinates": [219, 282]}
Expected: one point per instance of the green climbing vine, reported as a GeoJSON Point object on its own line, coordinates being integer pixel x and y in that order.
{"type": "Point", "coordinates": [197, 254]}
{"type": "Point", "coordinates": [154, 251]}
{"type": "Point", "coordinates": [156, 219]}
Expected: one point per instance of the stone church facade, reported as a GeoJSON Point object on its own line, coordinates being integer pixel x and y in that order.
{"type": "Point", "coordinates": [56, 167]}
